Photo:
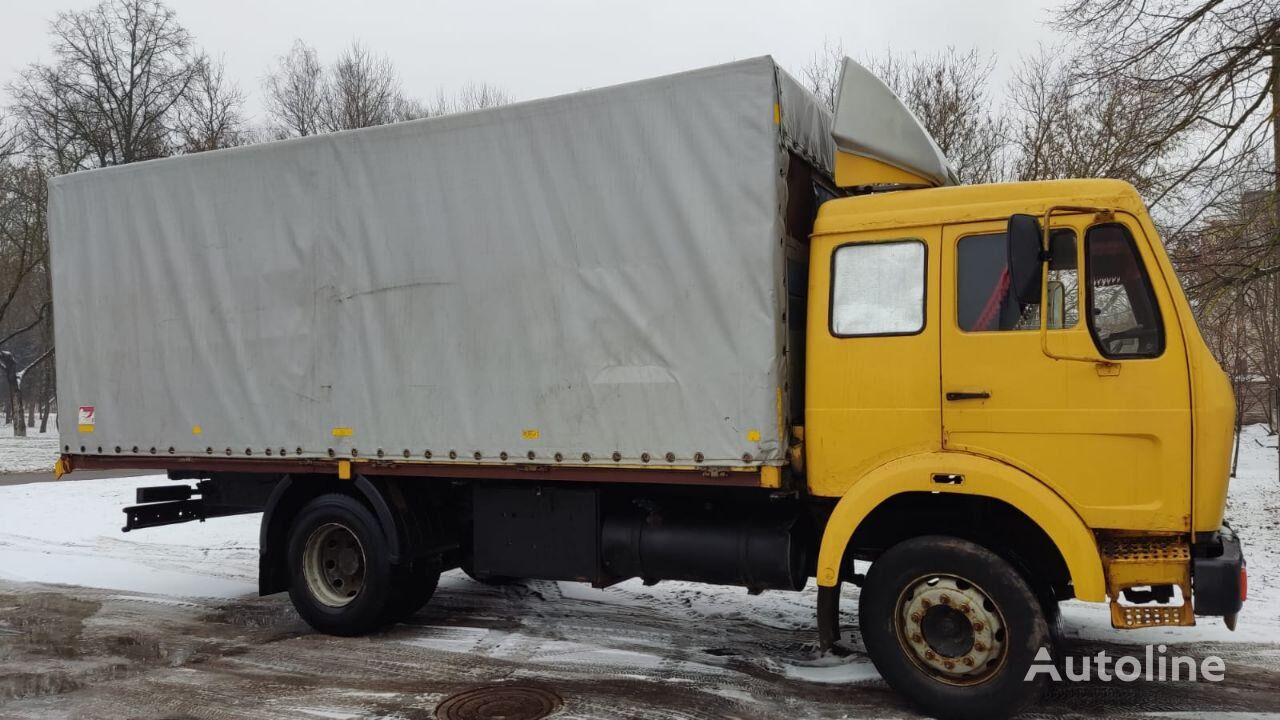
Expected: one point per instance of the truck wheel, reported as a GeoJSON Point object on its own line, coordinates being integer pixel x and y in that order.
{"type": "Point", "coordinates": [412, 590]}
{"type": "Point", "coordinates": [340, 570]}
{"type": "Point", "coordinates": [953, 628]}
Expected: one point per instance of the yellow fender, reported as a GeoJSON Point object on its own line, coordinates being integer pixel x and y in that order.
{"type": "Point", "coordinates": [984, 477]}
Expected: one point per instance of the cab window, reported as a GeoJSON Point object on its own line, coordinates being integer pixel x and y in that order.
{"type": "Point", "coordinates": [1124, 317]}
{"type": "Point", "coordinates": [878, 288]}
{"type": "Point", "coordinates": [984, 299]}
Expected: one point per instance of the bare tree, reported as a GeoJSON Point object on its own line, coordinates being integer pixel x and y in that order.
{"type": "Point", "coordinates": [472, 96]}
{"type": "Point", "coordinates": [360, 89]}
{"type": "Point", "coordinates": [1211, 69]}
{"type": "Point", "coordinates": [1066, 129]}
{"type": "Point", "coordinates": [949, 92]}
{"type": "Point", "coordinates": [364, 90]}
{"type": "Point", "coordinates": [821, 75]}
{"type": "Point", "coordinates": [8, 139]}
{"type": "Point", "coordinates": [120, 68]}
{"type": "Point", "coordinates": [52, 125]}
{"type": "Point", "coordinates": [210, 116]}
{"type": "Point", "coordinates": [296, 90]}
{"type": "Point", "coordinates": [24, 286]}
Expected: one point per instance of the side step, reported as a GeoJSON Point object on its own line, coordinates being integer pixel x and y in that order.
{"type": "Point", "coordinates": [1138, 561]}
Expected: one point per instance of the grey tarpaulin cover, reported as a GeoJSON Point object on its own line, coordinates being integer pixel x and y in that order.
{"type": "Point", "coordinates": [595, 273]}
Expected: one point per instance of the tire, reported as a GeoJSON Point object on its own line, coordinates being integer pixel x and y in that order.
{"type": "Point", "coordinates": [411, 590]}
{"type": "Point", "coordinates": [340, 575]}
{"type": "Point", "coordinates": [934, 600]}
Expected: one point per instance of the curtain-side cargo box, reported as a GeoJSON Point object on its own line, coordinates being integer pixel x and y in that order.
{"type": "Point", "coordinates": [603, 278]}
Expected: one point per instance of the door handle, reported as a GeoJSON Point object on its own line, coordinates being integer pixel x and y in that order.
{"type": "Point", "coordinates": [968, 395]}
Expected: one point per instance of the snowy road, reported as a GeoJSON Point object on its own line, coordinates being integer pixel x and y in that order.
{"type": "Point", "coordinates": [681, 653]}
{"type": "Point", "coordinates": [164, 623]}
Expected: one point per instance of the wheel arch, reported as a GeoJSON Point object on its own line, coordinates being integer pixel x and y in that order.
{"type": "Point", "coordinates": [288, 497]}
{"type": "Point", "coordinates": [973, 478]}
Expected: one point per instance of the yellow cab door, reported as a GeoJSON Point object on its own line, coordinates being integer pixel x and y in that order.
{"type": "Point", "coordinates": [1103, 418]}
{"type": "Point", "coordinates": [871, 366]}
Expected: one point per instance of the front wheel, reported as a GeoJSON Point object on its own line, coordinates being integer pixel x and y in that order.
{"type": "Point", "coordinates": [954, 628]}
{"type": "Point", "coordinates": [340, 569]}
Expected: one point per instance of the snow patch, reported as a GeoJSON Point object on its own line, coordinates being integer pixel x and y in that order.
{"type": "Point", "coordinates": [83, 544]}
{"type": "Point", "coordinates": [832, 669]}
{"type": "Point", "coordinates": [35, 453]}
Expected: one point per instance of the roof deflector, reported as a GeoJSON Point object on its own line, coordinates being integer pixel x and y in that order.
{"type": "Point", "coordinates": [878, 140]}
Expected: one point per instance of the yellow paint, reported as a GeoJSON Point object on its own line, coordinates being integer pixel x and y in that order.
{"type": "Point", "coordinates": [1116, 445]}
{"type": "Point", "coordinates": [531, 434]}
{"type": "Point", "coordinates": [771, 476]}
{"type": "Point", "coordinates": [914, 473]}
{"type": "Point", "coordinates": [59, 468]}
{"type": "Point", "coordinates": [85, 428]}
{"type": "Point", "coordinates": [777, 114]}
{"type": "Point", "coordinates": [1078, 444]}
{"type": "Point", "coordinates": [858, 171]}
{"type": "Point", "coordinates": [753, 436]}
{"type": "Point", "coordinates": [196, 430]}
{"type": "Point", "coordinates": [867, 399]}
{"type": "Point", "coordinates": [344, 469]}
{"type": "Point", "coordinates": [343, 432]}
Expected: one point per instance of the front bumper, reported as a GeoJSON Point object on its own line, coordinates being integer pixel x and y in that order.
{"type": "Point", "coordinates": [1220, 582]}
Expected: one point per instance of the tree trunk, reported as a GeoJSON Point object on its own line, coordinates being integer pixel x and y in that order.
{"type": "Point", "coordinates": [45, 398]}
{"type": "Point", "coordinates": [1275, 118]}
{"type": "Point", "coordinates": [19, 415]}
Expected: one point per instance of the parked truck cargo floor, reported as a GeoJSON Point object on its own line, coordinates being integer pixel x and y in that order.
{"type": "Point", "coordinates": [164, 624]}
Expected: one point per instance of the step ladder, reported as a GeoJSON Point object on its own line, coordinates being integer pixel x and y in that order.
{"type": "Point", "coordinates": [1132, 561]}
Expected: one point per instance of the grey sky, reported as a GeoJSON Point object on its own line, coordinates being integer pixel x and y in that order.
{"type": "Point", "coordinates": [534, 49]}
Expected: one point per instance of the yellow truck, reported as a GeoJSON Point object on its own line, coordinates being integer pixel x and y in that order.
{"type": "Point", "coordinates": [692, 328]}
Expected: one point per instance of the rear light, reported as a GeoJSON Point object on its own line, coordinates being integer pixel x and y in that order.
{"type": "Point", "coordinates": [1244, 583]}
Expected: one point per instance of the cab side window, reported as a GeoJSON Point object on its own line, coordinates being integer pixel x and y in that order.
{"type": "Point", "coordinates": [1124, 317]}
{"type": "Point", "coordinates": [985, 301]}
{"type": "Point", "coordinates": [877, 288]}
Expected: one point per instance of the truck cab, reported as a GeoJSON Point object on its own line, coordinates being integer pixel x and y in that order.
{"type": "Point", "coordinates": [1005, 381]}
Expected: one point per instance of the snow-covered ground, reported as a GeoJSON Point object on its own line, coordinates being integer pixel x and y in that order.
{"type": "Point", "coordinates": [34, 453]}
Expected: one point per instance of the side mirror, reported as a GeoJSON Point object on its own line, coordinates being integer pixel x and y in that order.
{"type": "Point", "coordinates": [1026, 265]}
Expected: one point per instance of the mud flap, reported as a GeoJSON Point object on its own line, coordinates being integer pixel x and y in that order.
{"type": "Point", "coordinates": [828, 617]}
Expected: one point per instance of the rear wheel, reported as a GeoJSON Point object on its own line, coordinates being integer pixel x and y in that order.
{"type": "Point", "coordinates": [339, 563]}
{"type": "Point", "coordinates": [953, 628]}
{"type": "Point", "coordinates": [412, 589]}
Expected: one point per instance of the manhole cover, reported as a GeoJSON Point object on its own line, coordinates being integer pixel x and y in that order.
{"type": "Point", "coordinates": [503, 702]}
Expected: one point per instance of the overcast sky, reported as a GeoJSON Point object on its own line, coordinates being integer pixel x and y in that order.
{"type": "Point", "coordinates": [534, 49]}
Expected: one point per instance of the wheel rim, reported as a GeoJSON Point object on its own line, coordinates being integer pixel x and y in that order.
{"type": "Point", "coordinates": [333, 564]}
{"type": "Point", "coordinates": [951, 629]}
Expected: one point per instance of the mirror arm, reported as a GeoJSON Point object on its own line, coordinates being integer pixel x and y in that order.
{"type": "Point", "coordinates": [1045, 257]}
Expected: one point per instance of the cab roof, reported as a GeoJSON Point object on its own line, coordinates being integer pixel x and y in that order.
{"type": "Point", "coordinates": [968, 203]}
